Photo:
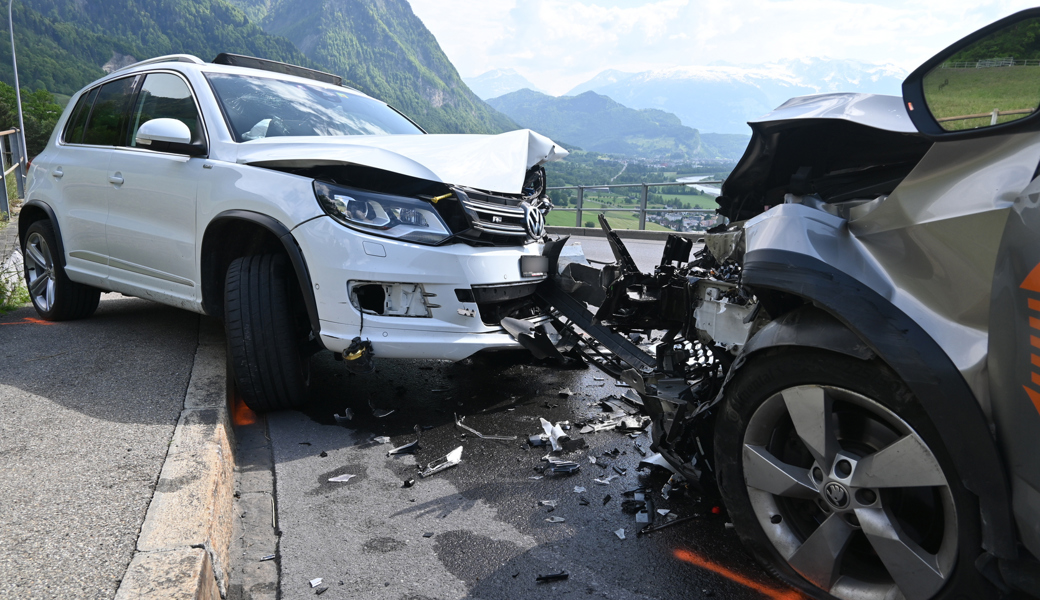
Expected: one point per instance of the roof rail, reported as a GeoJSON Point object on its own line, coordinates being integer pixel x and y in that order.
{"type": "Point", "coordinates": [185, 58]}
{"type": "Point", "coordinates": [251, 62]}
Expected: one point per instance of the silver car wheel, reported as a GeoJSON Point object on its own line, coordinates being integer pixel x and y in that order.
{"type": "Point", "coordinates": [850, 495]}
{"type": "Point", "coordinates": [39, 271]}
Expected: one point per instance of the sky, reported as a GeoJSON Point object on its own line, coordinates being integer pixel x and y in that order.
{"type": "Point", "coordinates": [558, 44]}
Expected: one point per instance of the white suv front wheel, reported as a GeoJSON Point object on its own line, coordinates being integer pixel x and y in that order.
{"type": "Point", "coordinates": [54, 296]}
{"type": "Point", "coordinates": [264, 329]}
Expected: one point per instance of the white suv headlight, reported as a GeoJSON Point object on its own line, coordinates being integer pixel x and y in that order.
{"type": "Point", "coordinates": [408, 219]}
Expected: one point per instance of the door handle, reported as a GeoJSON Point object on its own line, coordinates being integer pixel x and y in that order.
{"type": "Point", "coordinates": [116, 179]}
{"type": "Point", "coordinates": [57, 173]}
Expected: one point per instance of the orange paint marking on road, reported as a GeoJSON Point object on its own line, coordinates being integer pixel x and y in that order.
{"type": "Point", "coordinates": [1034, 322]}
{"type": "Point", "coordinates": [1034, 304]}
{"type": "Point", "coordinates": [1036, 378]}
{"type": "Point", "coordinates": [1034, 396]}
{"type": "Point", "coordinates": [1032, 282]}
{"type": "Point", "coordinates": [240, 413]}
{"type": "Point", "coordinates": [1035, 341]}
{"type": "Point", "coordinates": [30, 321]}
{"type": "Point", "coordinates": [768, 592]}
{"type": "Point", "coordinates": [1035, 359]}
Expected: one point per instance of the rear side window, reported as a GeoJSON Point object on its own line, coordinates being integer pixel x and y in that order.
{"type": "Point", "coordinates": [164, 95]}
{"type": "Point", "coordinates": [107, 123]}
{"type": "Point", "coordinates": [74, 129]}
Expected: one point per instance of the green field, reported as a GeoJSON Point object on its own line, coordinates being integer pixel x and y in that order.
{"type": "Point", "coordinates": [961, 92]}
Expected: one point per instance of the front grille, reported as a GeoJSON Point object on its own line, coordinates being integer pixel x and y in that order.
{"type": "Point", "coordinates": [495, 219]}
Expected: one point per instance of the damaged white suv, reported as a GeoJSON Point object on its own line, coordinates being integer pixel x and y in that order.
{"type": "Point", "coordinates": [305, 214]}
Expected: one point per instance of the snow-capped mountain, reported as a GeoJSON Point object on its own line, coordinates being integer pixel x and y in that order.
{"type": "Point", "coordinates": [498, 82]}
{"type": "Point", "coordinates": [722, 98]}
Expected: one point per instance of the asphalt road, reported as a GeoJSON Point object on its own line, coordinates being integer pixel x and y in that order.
{"type": "Point", "coordinates": [87, 411]}
{"type": "Point", "coordinates": [477, 530]}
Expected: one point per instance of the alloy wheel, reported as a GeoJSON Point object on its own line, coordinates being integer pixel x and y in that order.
{"type": "Point", "coordinates": [850, 495]}
{"type": "Point", "coordinates": [39, 271]}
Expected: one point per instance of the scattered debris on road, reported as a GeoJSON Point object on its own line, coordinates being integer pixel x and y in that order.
{"type": "Point", "coordinates": [449, 460]}
{"type": "Point", "coordinates": [342, 478]}
{"type": "Point", "coordinates": [553, 577]}
{"type": "Point", "coordinates": [459, 423]}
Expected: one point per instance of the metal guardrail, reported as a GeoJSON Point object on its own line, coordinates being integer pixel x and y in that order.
{"type": "Point", "coordinates": [10, 154]}
{"type": "Point", "coordinates": [642, 209]}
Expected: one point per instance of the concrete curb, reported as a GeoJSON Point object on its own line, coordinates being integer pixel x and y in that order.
{"type": "Point", "coordinates": [632, 234]}
{"type": "Point", "coordinates": [184, 545]}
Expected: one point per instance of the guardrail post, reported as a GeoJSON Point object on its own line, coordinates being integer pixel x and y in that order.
{"type": "Point", "coordinates": [581, 203]}
{"type": "Point", "coordinates": [16, 157]}
{"type": "Point", "coordinates": [6, 203]}
{"type": "Point", "coordinates": [642, 208]}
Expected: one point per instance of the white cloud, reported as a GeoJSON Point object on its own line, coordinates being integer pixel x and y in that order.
{"type": "Point", "coordinates": [560, 43]}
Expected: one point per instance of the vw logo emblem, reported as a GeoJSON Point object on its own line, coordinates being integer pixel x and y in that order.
{"type": "Point", "coordinates": [837, 495]}
{"type": "Point", "coordinates": [534, 220]}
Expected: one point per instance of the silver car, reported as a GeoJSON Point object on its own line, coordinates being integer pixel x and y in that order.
{"type": "Point", "coordinates": [853, 361]}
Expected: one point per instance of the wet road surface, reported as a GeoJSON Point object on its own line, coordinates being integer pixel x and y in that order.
{"type": "Point", "coordinates": [478, 530]}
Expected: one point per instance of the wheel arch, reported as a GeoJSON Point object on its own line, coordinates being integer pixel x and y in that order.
{"type": "Point", "coordinates": [235, 233]}
{"type": "Point", "coordinates": [33, 211]}
{"type": "Point", "coordinates": [840, 314]}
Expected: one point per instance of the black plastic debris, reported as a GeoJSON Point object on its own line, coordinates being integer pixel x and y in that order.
{"type": "Point", "coordinates": [562, 467]}
{"type": "Point", "coordinates": [344, 421]}
{"type": "Point", "coordinates": [408, 483]}
{"type": "Point", "coordinates": [619, 470]}
{"type": "Point", "coordinates": [553, 577]}
{"type": "Point", "coordinates": [428, 534]}
{"type": "Point", "coordinates": [305, 443]}
{"type": "Point", "coordinates": [538, 440]}
{"type": "Point", "coordinates": [359, 357]}
{"type": "Point", "coordinates": [652, 528]}
{"type": "Point", "coordinates": [631, 507]}
{"type": "Point", "coordinates": [324, 454]}
{"type": "Point", "coordinates": [320, 591]}
{"type": "Point", "coordinates": [607, 499]}
{"type": "Point", "coordinates": [583, 501]}
{"type": "Point", "coordinates": [407, 448]}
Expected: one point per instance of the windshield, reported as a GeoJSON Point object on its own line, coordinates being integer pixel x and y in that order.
{"type": "Point", "coordinates": [259, 107]}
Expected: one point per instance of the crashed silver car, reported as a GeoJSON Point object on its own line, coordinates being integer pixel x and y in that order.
{"type": "Point", "coordinates": [853, 360]}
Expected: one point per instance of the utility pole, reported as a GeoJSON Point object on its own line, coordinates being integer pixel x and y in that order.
{"type": "Point", "coordinates": [24, 154]}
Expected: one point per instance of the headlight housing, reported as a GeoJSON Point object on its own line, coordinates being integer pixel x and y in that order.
{"type": "Point", "coordinates": [398, 217]}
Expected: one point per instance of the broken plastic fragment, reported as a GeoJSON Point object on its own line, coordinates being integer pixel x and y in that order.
{"type": "Point", "coordinates": [642, 517]}
{"type": "Point", "coordinates": [656, 460]}
{"type": "Point", "coordinates": [583, 501]}
{"type": "Point", "coordinates": [408, 483]}
{"type": "Point", "coordinates": [538, 439]}
{"type": "Point", "coordinates": [341, 479]}
{"type": "Point", "coordinates": [449, 460]}
{"type": "Point", "coordinates": [359, 357]}
{"type": "Point", "coordinates": [379, 413]}
{"type": "Point", "coordinates": [345, 419]}
{"type": "Point", "coordinates": [578, 489]}
{"type": "Point", "coordinates": [268, 557]}
{"type": "Point", "coordinates": [320, 591]}
{"type": "Point", "coordinates": [405, 449]}
{"type": "Point", "coordinates": [565, 392]}
{"type": "Point", "coordinates": [619, 470]}
{"type": "Point", "coordinates": [536, 477]}
{"type": "Point", "coordinates": [563, 468]}
{"type": "Point", "coordinates": [653, 528]}
{"type": "Point", "coordinates": [555, 519]}
{"type": "Point", "coordinates": [382, 439]}
{"type": "Point", "coordinates": [553, 577]}
{"type": "Point", "coordinates": [663, 511]}
{"type": "Point", "coordinates": [606, 499]}
{"type": "Point", "coordinates": [315, 582]}
{"type": "Point", "coordinates": [458, 423]}
{"type": "Point", "coordinates": [606, 480]}
{"type": "Point", "coordinates": [547, 503]}
{"type": "Point", "coordinates": [555, 433]}
{"type": "Point", "coordinates": [428, 534]}
{"type": "Point", "coordinates": [620, 533]}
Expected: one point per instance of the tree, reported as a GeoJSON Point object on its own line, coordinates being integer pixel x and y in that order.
{"type": "Point", "coordinates": [589, 224]}
{"type": "Point", "coordinates": [39, 112]}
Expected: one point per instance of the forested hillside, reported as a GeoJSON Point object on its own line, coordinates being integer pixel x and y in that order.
{"type": "Point", "coordinates": [382, 50]}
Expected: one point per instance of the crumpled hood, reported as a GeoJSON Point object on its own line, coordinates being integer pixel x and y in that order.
{"type": "Point", "coordinates": [497, 163]}
{"type": "Point", "coordinates": [873, 110]}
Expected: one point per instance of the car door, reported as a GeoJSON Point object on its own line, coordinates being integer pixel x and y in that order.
{"type": "Point", "coordinates": [151, 217]}
{"type": "Point", "coordinates": [79, 170]}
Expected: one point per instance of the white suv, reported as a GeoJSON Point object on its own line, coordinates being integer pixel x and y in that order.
{"type": "Point", "coordinates": [305, 214]}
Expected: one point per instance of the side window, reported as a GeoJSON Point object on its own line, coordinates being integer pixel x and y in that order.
{"type": "Point", "coordinates": [165, 96]}
{"type": "Point", "coordinates": [107, 124]}
{"type": "Point", "coordinates": [74, 128]}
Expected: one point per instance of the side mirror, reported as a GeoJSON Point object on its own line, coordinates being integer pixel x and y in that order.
{"type": "Point", "coordinates": [167, 135]}
{"type": "Point", "coordinates": [984, 84]}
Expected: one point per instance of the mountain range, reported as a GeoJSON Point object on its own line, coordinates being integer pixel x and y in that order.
{"type": "Point", "coordinates": [722, 98]}
{"type": "Point", "coordinates": [597, 123]}
{"type": "Point", "coordinates": [499, 82]}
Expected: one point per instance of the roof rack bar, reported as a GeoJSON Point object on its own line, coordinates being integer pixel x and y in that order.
{"type": "Point", "coordinates": [237, 60]}
{"type": "Point", "coordinates": [185, 58]}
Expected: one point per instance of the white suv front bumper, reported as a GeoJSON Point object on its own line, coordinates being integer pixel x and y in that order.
{"type": "Point", "coordinates": [337, 256]}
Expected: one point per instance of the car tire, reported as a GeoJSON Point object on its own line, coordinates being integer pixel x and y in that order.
{"type": "Point", "coordinates": [822, 504]}
{"type": "Point", "coordinates": [261, 319]}
{"type": "Point", "coordinates": [54, 296]}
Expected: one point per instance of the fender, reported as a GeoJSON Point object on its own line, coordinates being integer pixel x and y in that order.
{"type": "Point", "coordinates": [23, 226]}
{"type": "Point", "coordinates": [915, 357]}
{"type": "Point", "coordinates": [292, 249]}
{"type": "Point", "coordinates": [812, 327]}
